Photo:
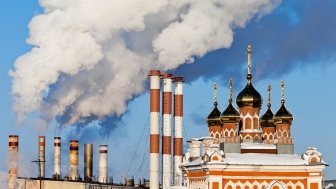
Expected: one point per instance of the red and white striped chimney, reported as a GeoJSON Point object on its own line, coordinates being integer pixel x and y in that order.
{"type": "Point", "coordinates": [73, 157]}
{"type": "Point", "coordinates": [13, 156]}
{"type": "Point", "coordinates": [154, 128]}
{"type": "Point", "coordinates": [178, 119]}
{"type": "Point", "coordinates": [57, 157]}
{"type": "Point", "coordinates": [166, 124]}
{"type": "Point", "coordinates": [41, 155]}
{"type": "Point", "coordinates": [102, 177]}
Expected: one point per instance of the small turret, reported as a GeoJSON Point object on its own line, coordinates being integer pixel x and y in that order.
{"type": "Point", "coordinates": [283, 120]}
{"type": "Point", "coordinates": [230, 142]}
{"type": "Point", "coordinates": [214, 122]}
{"type": "Point", "coordinates": [283, 115]}
{"type": "Point", "coordinates": [267, 122]}
{"type": "Point", "coordinates": [230, 114]}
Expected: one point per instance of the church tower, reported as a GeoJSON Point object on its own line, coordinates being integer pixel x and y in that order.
{"type": "Point", "coordinates": [214, 122]}
{"type": "Point", "coordinates": [230, 142]}
{"type": "Point", "coordinates": [283, 121]}
{"type": "Point", "coordinates": [249, 102]}
{"type": "Point", "coordinates": [267, 122]}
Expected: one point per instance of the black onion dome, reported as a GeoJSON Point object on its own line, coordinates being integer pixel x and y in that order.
{"type": "Point", "coordinates": [230, 114]}
{"type": "Point", "coordinates": [230, 111]}
{"type": "Point", "coordinates": [266, 120]}
{"type": "Point", "coordinates": [214, 117]}
{"type": "Point", "coordinates": [215, 114]}
{"type": "Point", "coordinates": [283, 114]}
{"type": "Point", "coordinates": [249, 96]}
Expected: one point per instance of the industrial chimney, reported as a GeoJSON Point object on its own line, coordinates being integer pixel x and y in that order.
{"type": "Point", "coordinates": [13, 155]}
{"type": "Point", "coordinates": [88, 157]}
{"type": "Point", "coordinates": [102, 178]}
{"type": "Point", "coordinates": [73, 156]}
{"type": "Point", "coordinates": [178, 119]}
{"type": "Point", "coordinates": [41, 156]}
{"type": "Point", "coordinates": [57, 158]}
{"type": "Point", "coordinates": [154, 128]}
{"type": "Point", "coordinates": [166, 124]}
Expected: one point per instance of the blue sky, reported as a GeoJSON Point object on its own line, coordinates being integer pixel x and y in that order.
{"type": "Point", "coordinates": [294, 43]}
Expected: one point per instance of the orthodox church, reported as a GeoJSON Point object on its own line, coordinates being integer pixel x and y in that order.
{"type": "Point", "coordinates": [244, 150]}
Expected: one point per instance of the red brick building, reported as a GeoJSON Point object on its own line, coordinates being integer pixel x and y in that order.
{"type": "Point", "coordinates": [244, 150]}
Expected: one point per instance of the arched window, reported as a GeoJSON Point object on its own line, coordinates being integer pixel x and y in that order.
{"type": "Point", "coordinates": [226, 133]}
{"type": "Point", "coordinates": [255, 123]}
{"type": "Point", "coordinates": [232, 133]}
{"type": "Point", "coordinates": [248, 123]}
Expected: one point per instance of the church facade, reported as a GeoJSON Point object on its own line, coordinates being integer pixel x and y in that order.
{"type": "Point", "coordinates": [244, 150]}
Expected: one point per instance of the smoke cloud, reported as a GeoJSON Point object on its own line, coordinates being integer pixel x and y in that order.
{"type": "Point", "coordinates": [89, 58]}
{"type": "Point", "coordinates": [295, 35]}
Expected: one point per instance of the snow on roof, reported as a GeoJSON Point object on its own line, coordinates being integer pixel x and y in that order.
{"type": "Point", "coordinates": [264, 159]}
{"type": "Point", "coordinates": [256, 159]}
{"type": "Point", "coordinates": [250, 145]}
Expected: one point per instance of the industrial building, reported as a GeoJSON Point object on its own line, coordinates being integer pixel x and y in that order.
{"type": "Point", "coordinates": [73, 179]}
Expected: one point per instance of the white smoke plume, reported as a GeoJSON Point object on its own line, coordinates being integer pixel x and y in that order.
{"type": "Point", "coordinates": [90, 57]}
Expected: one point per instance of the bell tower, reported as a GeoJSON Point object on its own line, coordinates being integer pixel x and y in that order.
{"type": "Point", "coordinates": [283, 121]}
{"type": "Point", "coordinates": [230, 142]}
{"type": "Point", "coordinates": [249, 102]}
{"type": "Point", "coordinates": [214, 122]}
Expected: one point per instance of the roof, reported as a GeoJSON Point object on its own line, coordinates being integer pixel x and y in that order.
{"type": "Point", "coordinates": [249, 96]}
{"type": "Point", "coordinates": [266, 120]}
{"type": "Point", "coordinates": [264, 159]}
{"type": "Point", "coordinates": [215, 113]}
{"type": "Point", "coordinates": [250, 145]}
{"type": "Point", "coordinates": [230, 111]}
{"type": "Point", "coordinates": [283, 113]}
{"type": "Point", "coordinates": [257, 159]}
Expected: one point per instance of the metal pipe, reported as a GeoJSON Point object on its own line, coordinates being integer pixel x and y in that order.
{"type": "Point", "coordinates": [88, 157]}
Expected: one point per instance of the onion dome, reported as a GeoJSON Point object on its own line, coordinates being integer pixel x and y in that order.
{"type": "Point", "coordinates": [230, 114]}
{"type": "Point", "coordinates": [266, 120]}
{"type": "Point", "coordinates": [214, 116]}
{"type": "Point", "coordinates": [283, 115]}
{"type": "Point", "coordinates": [249, 96]}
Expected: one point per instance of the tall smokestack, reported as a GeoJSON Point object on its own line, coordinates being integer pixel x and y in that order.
{"type": "Point", "coordinates": [154, 128]}
{"type": "Point", "coordinates": [13, 155]}
{"type": "Point", "coordinates": [178, 118]}
{"type": "Point", "coordinates": [166, 135]}
{"type": "Point", "coordinates": [57, 158]}
{"type": "Point", "coordinates": [88, 157]}
{"type": "Point", "coordinates": [41, 155]}
{"type": "Point", "coordinates": [102, 164]}
{"type": "Point", "coordinates": [73, 156]}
